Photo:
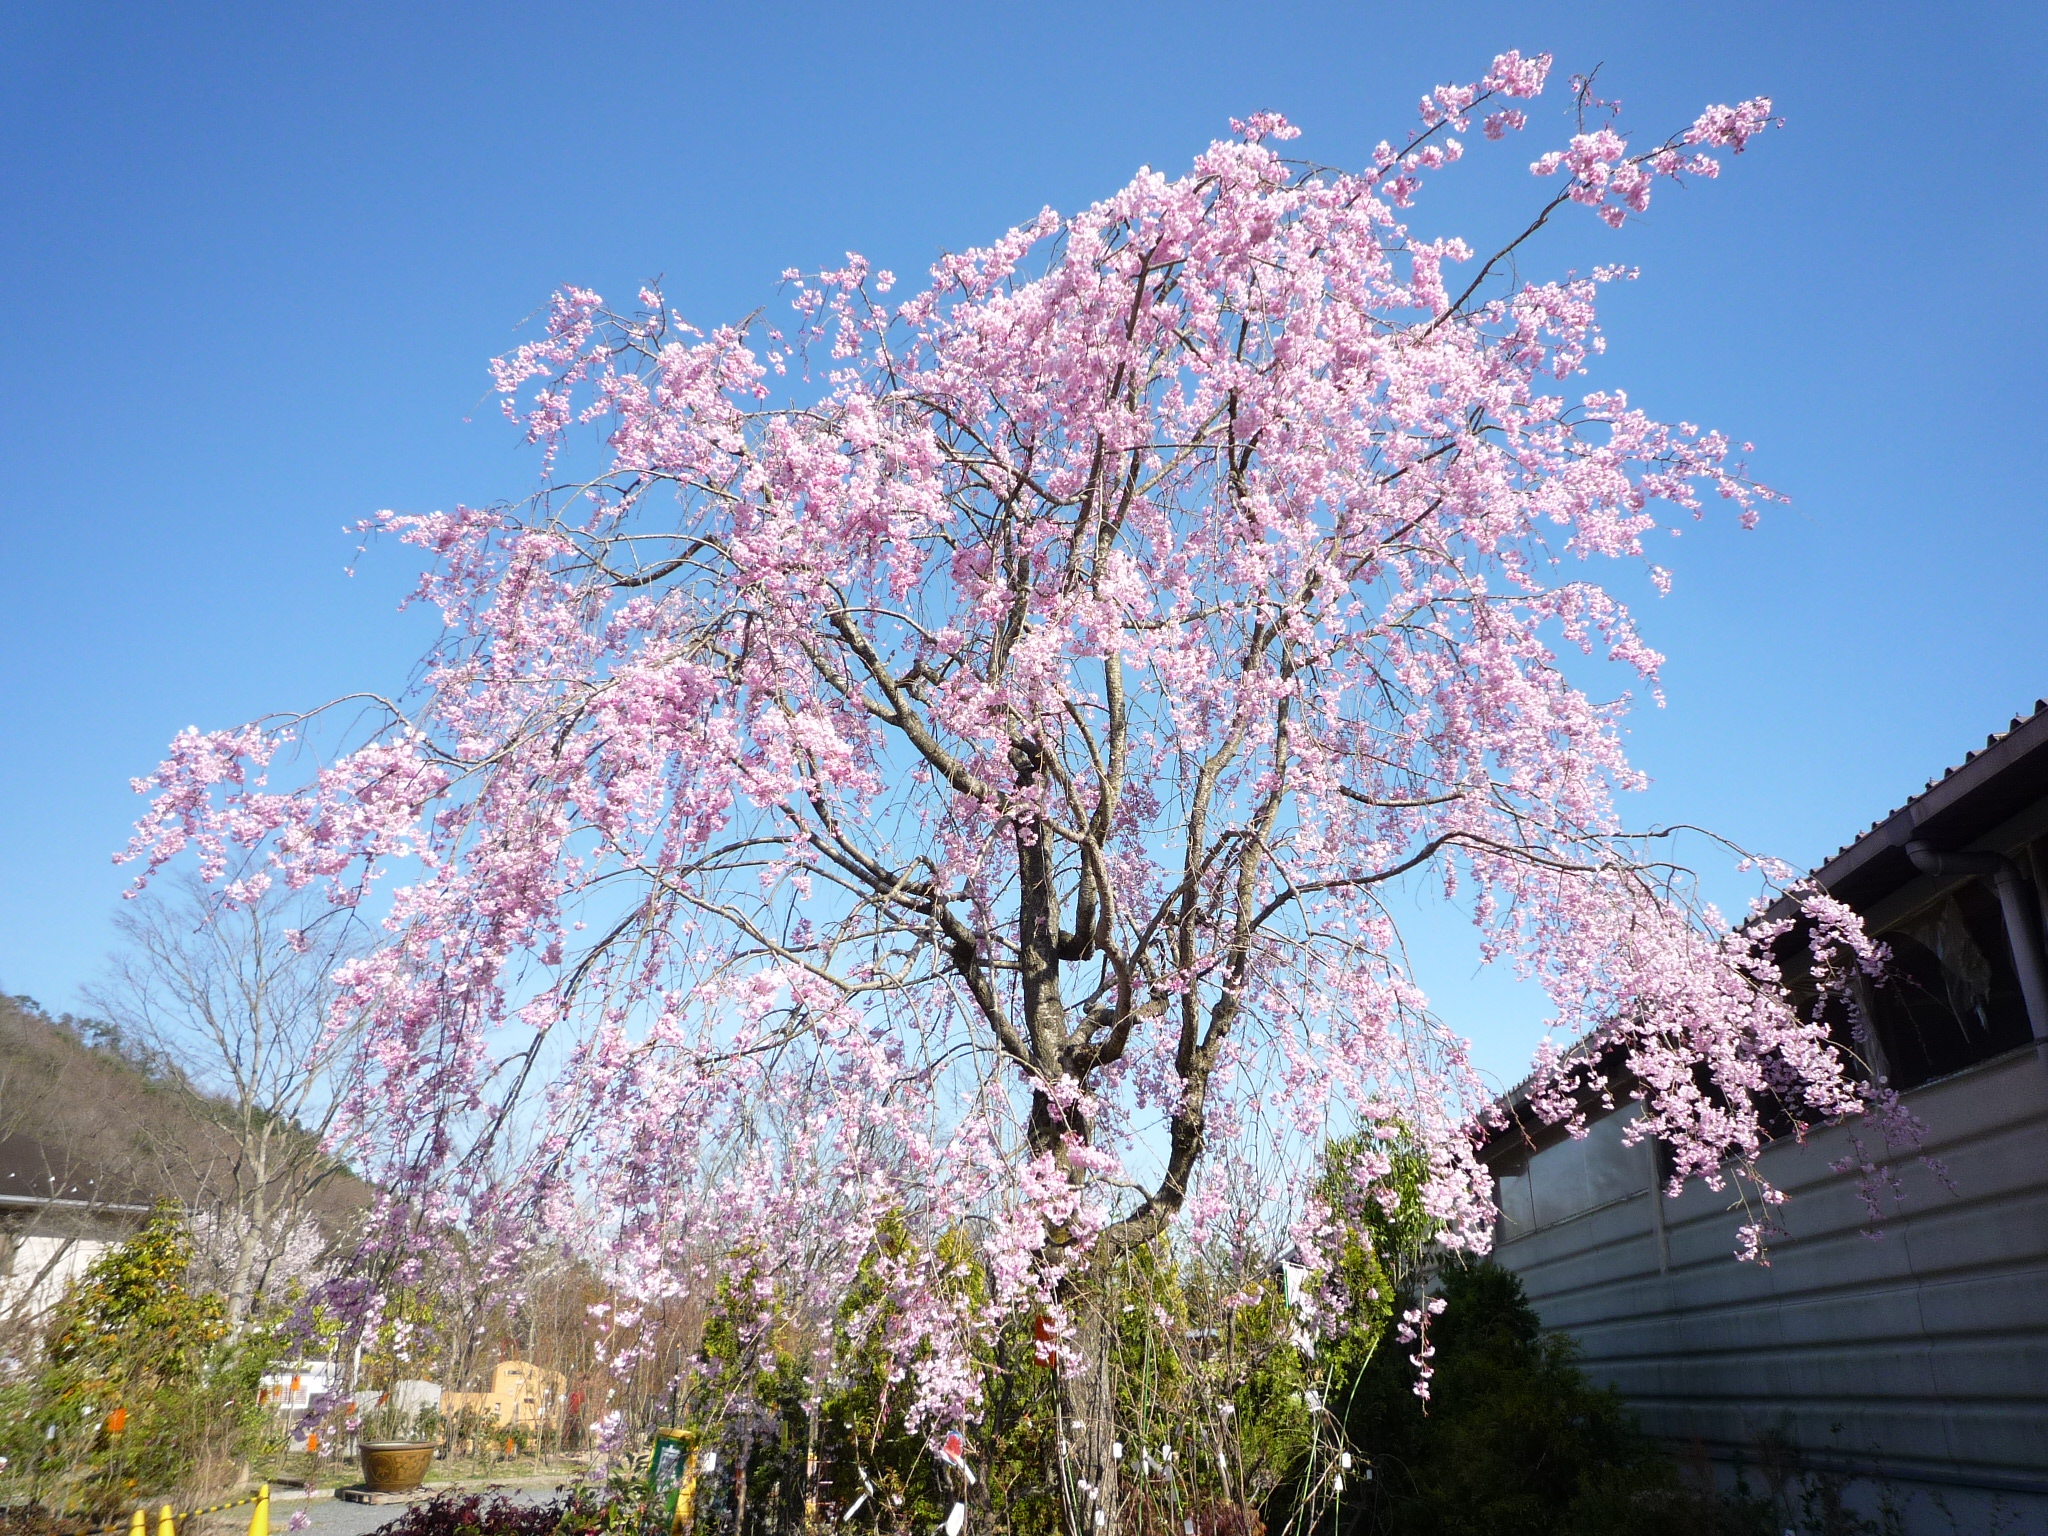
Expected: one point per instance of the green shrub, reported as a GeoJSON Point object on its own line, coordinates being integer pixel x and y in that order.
{"type": "Point", "coordinates": [1513, 1441]}
{"type": "Point", "coordinates": [144, 1392]}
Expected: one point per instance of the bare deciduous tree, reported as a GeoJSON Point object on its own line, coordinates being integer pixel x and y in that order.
{"type": "Point", "coordinates": [236, 1000]}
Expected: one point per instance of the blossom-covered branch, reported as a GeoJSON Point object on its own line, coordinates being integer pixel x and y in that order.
{"type": "Point", "coordinates": [966, 795]}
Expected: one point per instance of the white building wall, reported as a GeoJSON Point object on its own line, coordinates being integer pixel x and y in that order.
{"type": "Point", "coordinates": [42, 1267]}
{"type": "Point", "coordinates": [1919, 1356]}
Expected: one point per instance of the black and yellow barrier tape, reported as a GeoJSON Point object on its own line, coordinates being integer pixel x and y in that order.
{"type": "Point", "coordinates": [169, 1520]}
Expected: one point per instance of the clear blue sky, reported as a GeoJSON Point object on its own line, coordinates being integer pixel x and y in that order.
{"type": "Point", "coordinates": [256, 257]}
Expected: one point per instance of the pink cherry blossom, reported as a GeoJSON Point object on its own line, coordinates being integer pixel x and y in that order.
{"type": "Point", "coordinates": [968, 796]}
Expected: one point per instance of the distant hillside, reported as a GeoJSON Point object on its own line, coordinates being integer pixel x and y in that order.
{"type": "Point", "coordinates": [81, 1090]}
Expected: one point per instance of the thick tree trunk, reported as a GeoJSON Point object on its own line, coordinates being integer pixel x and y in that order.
{"type": "Point", "coordinates": [1088, 1426]}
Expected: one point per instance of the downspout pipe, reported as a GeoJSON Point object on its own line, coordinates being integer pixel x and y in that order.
{"type": "Point", "coordinates": [2022, 928]}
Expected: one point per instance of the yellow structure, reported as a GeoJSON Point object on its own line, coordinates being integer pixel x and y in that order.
{"type": "Point", "coordinates": [522, 1394]}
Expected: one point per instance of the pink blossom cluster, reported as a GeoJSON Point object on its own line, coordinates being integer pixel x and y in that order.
{"type": "Point", "coordinates": [967, 799]}
{"type": "Point", "coordinates": [1413, 1328]}
{"type": "Point", "coordinates": [1607, 178]}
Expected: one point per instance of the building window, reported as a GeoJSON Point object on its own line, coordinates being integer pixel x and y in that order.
{"type": "Point", "coordinates": [1572, 1176]}
{"type": "Point", "coordinates": [1952, 997]}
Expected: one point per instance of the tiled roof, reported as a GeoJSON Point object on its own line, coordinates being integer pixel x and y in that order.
{"type": "Point", "coordinates": [1992, 784]}
{"type": "Point", "coordinates": [2019, 723]}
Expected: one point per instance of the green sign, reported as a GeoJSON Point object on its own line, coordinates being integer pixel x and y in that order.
{"type": "Point", "coordinates": [672, 1478]}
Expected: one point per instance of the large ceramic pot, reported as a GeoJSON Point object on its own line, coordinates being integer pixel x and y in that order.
{"type": "Point", "coordinates": [395, 1466]}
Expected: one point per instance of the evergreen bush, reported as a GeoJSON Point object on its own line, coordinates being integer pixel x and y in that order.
{"type": "Point", "coordinates": [144, 1392]}
{"type": "Point", "coordinates": [1512, 1441]}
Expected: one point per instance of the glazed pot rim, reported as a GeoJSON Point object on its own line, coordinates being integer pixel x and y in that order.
{"type": "Point", "coordinates": [397, 1445]}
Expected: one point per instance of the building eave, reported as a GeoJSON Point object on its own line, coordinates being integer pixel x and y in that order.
{"type": "Point", "coordinates": [1989, 787]}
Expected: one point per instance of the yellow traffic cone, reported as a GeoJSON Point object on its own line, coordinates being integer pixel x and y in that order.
{"type": "Point", "coordinates": [259, 1522]}
{"type": "Point", "coordinates": [139, 1526]}
{"type": "Point", "coordinates": [165, 1526]}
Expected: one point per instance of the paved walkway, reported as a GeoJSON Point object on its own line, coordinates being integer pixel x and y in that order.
{"type": "Point", "coordinates": [335, 1517]}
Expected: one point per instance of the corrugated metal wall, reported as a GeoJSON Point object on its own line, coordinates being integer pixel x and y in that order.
{"type": "Point", "coordinates": [1921, 1354]}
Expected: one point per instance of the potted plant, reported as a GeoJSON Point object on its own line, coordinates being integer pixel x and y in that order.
{"type": "Point", "coordinates": [396, 1445]}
